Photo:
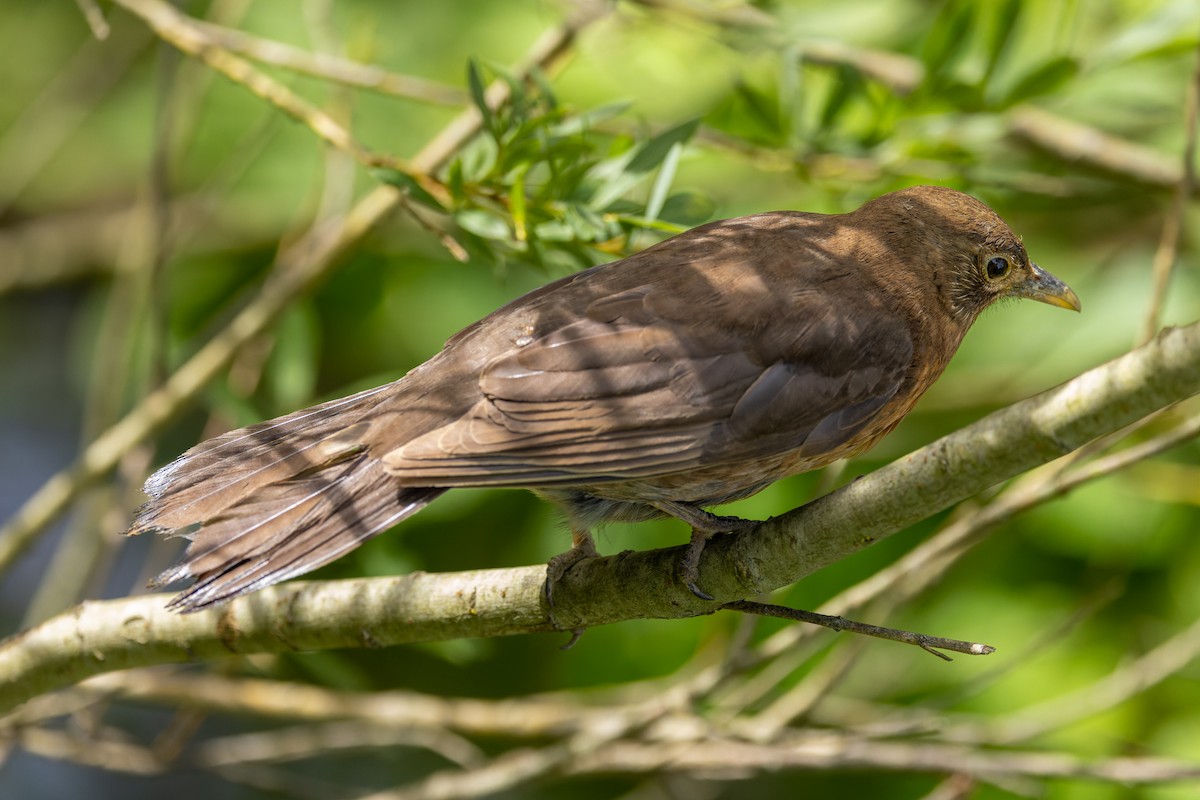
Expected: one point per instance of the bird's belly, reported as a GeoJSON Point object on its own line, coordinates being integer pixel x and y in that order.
{"type": "Point", "coordinates": [629, 500]}
{"type": "Point", "coordinates": [712, 485]}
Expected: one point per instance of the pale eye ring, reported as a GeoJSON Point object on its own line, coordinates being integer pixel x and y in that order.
{"type": "Point", "coordinates": [997, 267]}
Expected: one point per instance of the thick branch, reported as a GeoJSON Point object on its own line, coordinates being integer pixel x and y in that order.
{"type": "Point", "coordinates": [104, 636]}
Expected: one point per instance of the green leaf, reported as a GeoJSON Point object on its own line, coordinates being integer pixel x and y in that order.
{"type": "Point", "coordinates": [1006, 23]}
{"type": "Point", "coordinates": [483, 223]}
{"type": "Point", "coordinates": [455, 181]}
{"type": "Point", "coordinates": [587, 224]}
{"type": "Point", "coordinates": [581, 123]}
{"type": "Point", "coordinates": [947, 38]}
{"type": "Point", "coordinates": [688, 208]}
{"type": "Point", "coordinates": [516, 202]}
{"type": "Point", "coordinates": [406, 183]}
{"type": "Point", "coordinates": [611, 190]}
{"type": "Point", "coordinates": [479, 159]}
{"type": "Point", "coordinates": [478, 95]}
{"type": "Point", "coordinates": [964, 96]}
{"type": "Point", "coordinates": [847, 85]}
{"type": "Point", "coordinates": [545, 91]}
{"type": "Point", "coordinates": [661, 225]}
{"type": "Point", "coordinates": [1170, 29]}
{"type": "Point", "coordinates": [663, 180]}
{"type": "Point", "coordinates": [653, 152]}
{"type": "Point", "coordinates": [763, 108]}
{"type": "Point", "coordinates": [554, 231]}
{"type": "Point", "coordinates": [1043, 80]}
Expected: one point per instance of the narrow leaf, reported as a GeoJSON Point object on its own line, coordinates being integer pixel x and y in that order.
{"type": "Point", "coordinates": [516, 202]}
{"type": "Point", "coordinates": [406, 183]}
{"type": "Point", "coordinates": [478, 94]}
{"type": "Point", "coordinates": [1006, 22]}
{"type": "Point", "coordinates": [663, 181]}
{"type": "Point", "coordinates": [482, 223]}
{"type": "Point", "coordinates": [1043, 80]}
{"type": "Point", "coordinates": [653, 152]}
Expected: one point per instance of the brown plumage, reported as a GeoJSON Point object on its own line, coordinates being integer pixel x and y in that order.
{"type": "Point", "coordinates": [691, 374]}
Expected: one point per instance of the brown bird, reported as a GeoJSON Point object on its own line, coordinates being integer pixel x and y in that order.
{"type": "Point", "coordinates": [689, 375]}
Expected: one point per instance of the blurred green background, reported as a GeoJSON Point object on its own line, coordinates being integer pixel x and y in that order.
{"type": "Point", "coordinates": [143, 200]}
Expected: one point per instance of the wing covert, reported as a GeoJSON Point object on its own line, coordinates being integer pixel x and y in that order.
{"type": "Point", "coordinates": [626, 392]}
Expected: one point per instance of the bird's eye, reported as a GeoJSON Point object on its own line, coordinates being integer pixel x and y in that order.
{"type": "Point", "coordinates": [997, 267]}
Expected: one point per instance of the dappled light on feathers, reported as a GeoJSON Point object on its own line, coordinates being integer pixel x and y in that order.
{"type": "Point", "coordinates": [693, 373]}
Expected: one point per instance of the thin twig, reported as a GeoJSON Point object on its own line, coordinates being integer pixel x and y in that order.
{"type": "Point", "coordinates": [799, 700]}
{"type": "Point", "coordinates": [1075, 143]}
{"type": "Point", "coordinates": [312, 739]}
{"type": "Point", "coordinates": [1167, 252]}
{"type": "Point", "coordinates": [529, 717]}
{"type": "Point", "coordinates": [829, 750]}
{"type": "Point", "coordinates": [95, 18]}
{"type": "Point", "coordinates": [189, 36]}
{"type": "Point", "coordinates": [331, 67]}
{"type": "Point", "coordinates": [930, 644]}
{"type": "Point", "coordinates": [92, 751]}
{"type": "Point", "coordinates": [1126, 681]}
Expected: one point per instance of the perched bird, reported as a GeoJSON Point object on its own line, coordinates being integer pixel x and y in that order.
{"type": "Point", "coordinates": [688, 375]}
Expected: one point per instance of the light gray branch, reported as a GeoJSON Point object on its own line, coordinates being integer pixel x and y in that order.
{"type": "Point", "coordinates": [103, 636]}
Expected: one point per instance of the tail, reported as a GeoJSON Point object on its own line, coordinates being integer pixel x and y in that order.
{"type": "Point", "coordinates": [276, 500]}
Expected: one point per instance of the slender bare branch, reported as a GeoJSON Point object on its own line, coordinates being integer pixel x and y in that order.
{"type": "Point", "coordinates": [1122, 683]}
{"type": "Point", "coordinates": [95, 18]}
{"type": "Point", "coordinates": [930, 644]}
{"type": "Point", "coordinates": [331, 67]}
{"type": "Point", "coordinates": [1167, 252]}
{"type": "Point", "coordinates": [832, 751]}
{"type": "Point", "coordinates": [189, 36]}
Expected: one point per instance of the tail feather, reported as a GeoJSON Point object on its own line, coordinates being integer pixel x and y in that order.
{"type": "Point", "coordinates": [289, 528]}
{"type": "Point", "coordinates": [277, 499]}
{"type": "Point", "coordinates": [220, 472]}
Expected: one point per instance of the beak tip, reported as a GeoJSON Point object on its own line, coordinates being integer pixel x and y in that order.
{"type": "Point", "coordinates": [1070, 301]}
{"type": "Point", "coordinates": [1049, 289]}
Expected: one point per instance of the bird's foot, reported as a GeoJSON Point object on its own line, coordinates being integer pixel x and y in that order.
{"type": "Point", "coordinates": [704, 527]}
{"type": "Point", "coordinates": [689, 566]}
{"type": "Point", "coordinates": [559, 566]}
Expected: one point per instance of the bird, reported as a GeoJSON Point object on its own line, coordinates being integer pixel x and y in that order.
{"type": "Point", "coordinates": [688, 375]}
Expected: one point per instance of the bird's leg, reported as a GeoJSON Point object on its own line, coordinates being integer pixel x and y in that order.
{"type": "Point", "coordinates": [704, 526]}
{"type": "Point", "coordinates": [582, 546]}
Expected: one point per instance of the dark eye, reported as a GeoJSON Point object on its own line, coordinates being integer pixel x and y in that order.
{"type": "Point", "coordinates": [997, 267]}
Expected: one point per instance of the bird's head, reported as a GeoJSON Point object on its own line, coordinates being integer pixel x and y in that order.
{"type": "Point", "coordinates": [972, 255]}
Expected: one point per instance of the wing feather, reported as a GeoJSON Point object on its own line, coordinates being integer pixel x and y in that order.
{"type": "Point", "coordinates": [623, 393]}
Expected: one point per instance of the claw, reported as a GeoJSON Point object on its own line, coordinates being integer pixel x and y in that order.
{"type": "Point", "coordinates": [575, 637]}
